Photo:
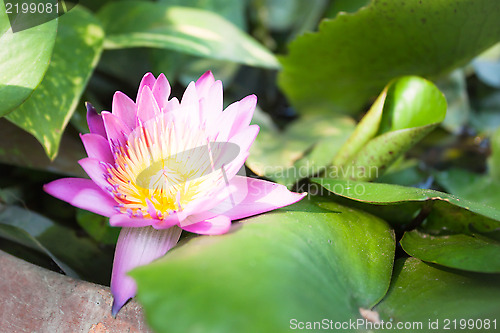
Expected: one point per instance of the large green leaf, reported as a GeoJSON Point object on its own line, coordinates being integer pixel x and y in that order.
{"type": "Point", "coordinates": [469, 252]}
{"type": "Point", "coordinates": [405, 112]}
{"type": "Point", "coordinates": [303, 149]}
{"type": "Point", "coordinates": [304, 262]}
{"type": "Point", "coordinates": [354, 56]}
{"type": "Point", "coordinates": [25, 58]}
{"type": "Point", "coordinates": [447, 210]}
{"type": "Point", "coordinates": [189, 30]}
{"type": "Point", "coordinates": [76, 52]}
{"type": "Point", "coordinates": [424, 294]}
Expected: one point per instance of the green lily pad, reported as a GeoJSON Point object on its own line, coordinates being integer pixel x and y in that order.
{"type": "Point", "coordinates": [426, 294]}
{"type": "Point", "coordinates": [25, 58]}
{"type": "Point", "coordinates": [471, 186]}
{"type": "Point", "coordinates": [302, 262]}
{"type": "Point", "coordinates": [448, 211]}
{"type": "Point", "coordinates": [352, 57]}
{"type": "Point", "coordinates": [404, 113]}
{"type": "Point", "coordinates": [289, 155]}
{"type": "Point", "coordinates": [189, 30]}
{"type": "Point", "coordinates": [76, 52]}
{"type": "Point", "coordinates": [475, 253]}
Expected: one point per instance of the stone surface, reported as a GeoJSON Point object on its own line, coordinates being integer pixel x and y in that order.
{"type": "Point", "coordinates": [34, 299]}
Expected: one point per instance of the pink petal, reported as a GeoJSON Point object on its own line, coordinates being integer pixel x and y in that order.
{"type": "Point", "coordinates": [201, 209]}
{"type": "Point", "coordinates": [211, 105]}
{"type": "Point", "coordinates": [215, 226]}
{"type": "Point", "coordinates": [123, 220]}
{"type": "Point", "coordinates": [204, 83]}
{"type": "Point", "coordinates": [137, 247]}
{"type": "Point", "coordinates": [82, 193]}
{"type": "Point", "coordinates": [245, 113]}
{"type": "Point", "coordinates": [245, 138]}
{"type": "Point", "coordinates": [187, 216]}
{"type": "Point", "coordinates": [116, 129]}
{"type": "Point", "coordinates": [161, 90]}
{"type": "Point", "coordinates": [124, 108]}
{"type": "Point", "coordinates": [97, 147]}
{"type": "Point", "coordinates": [173, 104]}
{"type": "Point", "coordinates": [146, 105]}
{"type": "Point", "coordinates": [190, 95]}
{"type": "Point", "coordinates": [190, 106]}
{"type": "Point", "coordinates": [96, 171]}
{"type": "Point", "coordinates": [262, 196]}
{"type": "Point", "coordinates": [94, 121]}
{"type": "Point", "coordinates": [235, 118]}
{"type": "Point", "coordinates": [148, 80]}
{"type": "Point", "coordinates": [214, 98]}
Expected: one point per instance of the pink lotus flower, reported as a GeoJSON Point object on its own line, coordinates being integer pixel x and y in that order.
{"type": "Point", "coordinates": [158, 167]}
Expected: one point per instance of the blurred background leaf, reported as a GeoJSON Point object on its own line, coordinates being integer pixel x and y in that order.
{"type": "Point", "coordinates": [193, 31]}
{"type": "Point", "coordinates": [289, 155]}
{"type": "Point", "coordinates": [353, 56]}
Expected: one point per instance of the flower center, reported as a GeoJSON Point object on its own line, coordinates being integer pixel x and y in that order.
{"type": "Point", "coordinates": [160, 169]}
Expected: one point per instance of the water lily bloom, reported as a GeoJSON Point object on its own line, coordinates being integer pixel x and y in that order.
{"type": "Point", "coordinates": [158, 166]}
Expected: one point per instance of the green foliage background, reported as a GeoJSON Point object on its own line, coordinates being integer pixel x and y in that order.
{"type": "Point", "coordinates": [386, 112]}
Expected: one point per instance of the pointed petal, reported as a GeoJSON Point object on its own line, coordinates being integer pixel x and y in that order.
{"type": "Point", "coordinates": [245, 113]}
{"type": "Point", "coordinates": [204, 83]}
{"type": "Point", "coordinates": [97, 147]}
{"type": "Point", "coordinates": [96, 171]}
{"type": "Point", "coordinates": [148, 80]}
{"type": "Point", "coordinates": [137, 247]}
{"type": "Point", "coordinates": [215, 226]}
{"type": "Point", "coordinates": [262, 196]}
{"type": "Point", "coordinates": [161, 90]}
{"type": "Point", "coordinates": [211, 105]}
{"type": "Point", "coordinates": [235, 118]}
{"type": "Point", "coordinates": [147, 108]}
{"type": "Point", "coordinates": [94, 121]}
{"type": "Point", "coordinates": [124, 108]}
{"type": "Point", "coordinates": [116, 129]}
{"type": "Point", "coordinates": [173, 104]}
{"type": "Point", "coordinates": [82, 193]}
{"type": "Point", "coordinates": [245, 138]}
